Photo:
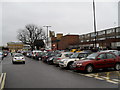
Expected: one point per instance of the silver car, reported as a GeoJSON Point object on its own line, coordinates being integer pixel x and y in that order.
{"type": "Point", "coordinates": [18, 58]}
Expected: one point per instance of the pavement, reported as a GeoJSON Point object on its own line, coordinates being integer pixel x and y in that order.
{"type": "Point", "coordinates": [36, 74]}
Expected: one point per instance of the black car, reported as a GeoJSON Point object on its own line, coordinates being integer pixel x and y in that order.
{"type": "Point", "coordinates": [48, 55]}
{"type": "Point", "coordinates": [39, 55]}
{"type": "Point", "coordinates": [5, 53]}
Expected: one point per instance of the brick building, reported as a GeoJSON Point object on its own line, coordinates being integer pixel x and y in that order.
{"type": "Point", "coordinates": [64, 42]}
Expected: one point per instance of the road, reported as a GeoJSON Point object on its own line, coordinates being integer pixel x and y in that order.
{"type": "Point", "coordinates": [36, 74]}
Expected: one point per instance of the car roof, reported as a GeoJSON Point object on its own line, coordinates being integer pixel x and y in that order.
{"type": "Point", "coordinates": [116, 52]}
{"type": "Point", "coordinates": [36, 51]}
{"type": "Point", "coordinates": [18, 53]}
{"type": "Point", "coordinates": [105, 52]}
{"type": "Point", "coordinates": [66, 52]}
{"type": "Point", "coordinates": [83, 52]}
{"type": "Point", "coordinates": [109, 51]}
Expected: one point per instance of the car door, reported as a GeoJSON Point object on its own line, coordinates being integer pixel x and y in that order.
{"type": "Point", "coordinates": [101, 60]}
{"type": "Point", "coordinates": [110, 60]}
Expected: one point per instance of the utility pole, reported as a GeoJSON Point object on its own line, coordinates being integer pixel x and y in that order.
{"type": "Point", "coordinates": [47, 32]}
{"type": "Point", "coordinates": [94, 24]}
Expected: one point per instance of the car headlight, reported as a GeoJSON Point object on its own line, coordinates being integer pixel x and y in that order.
{"type": "Point", "coordinates": [65, 61]}
{"type": "Point", "coordinates": [79, 64]}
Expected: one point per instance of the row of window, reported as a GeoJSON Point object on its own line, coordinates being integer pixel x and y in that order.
{"type": "Point", "coordinates": [101, 33]}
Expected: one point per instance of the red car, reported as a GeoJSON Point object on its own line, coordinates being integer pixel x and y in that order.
{"type": "Point", "coordinates": [98, 60]}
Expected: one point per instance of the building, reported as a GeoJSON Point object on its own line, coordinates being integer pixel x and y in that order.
{"type": "Point", "coordinates": [64, 42]}
{"type": "Point", "coordinates": [109, 38]}
{"type": "Point", "coordinates": [15, 46]}
{"type": "Point", "coordinates": [26, 47]}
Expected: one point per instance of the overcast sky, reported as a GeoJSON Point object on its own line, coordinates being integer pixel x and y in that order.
{"type": "Point", "coordinates": [64, 16]}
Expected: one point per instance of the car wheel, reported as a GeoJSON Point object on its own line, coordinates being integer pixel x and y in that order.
{"type": "Point", "coordinates": [70, 65]}
{"type": "Point", "coordinates": [24, 62]}
{"type": "Point", "coordinates": [50, 62]}
{"type": "Point", "coordinates": [89, 69]}
{"type": "Point", "coordinates": [39, 59]}
{"type": "Point", "coordinates": [13, 62]}
{"type": "Point", "coordinates": [117, 67]}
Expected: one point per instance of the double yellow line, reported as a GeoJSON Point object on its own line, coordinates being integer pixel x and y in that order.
{"type": "Point", "coordinates": [2, 80]}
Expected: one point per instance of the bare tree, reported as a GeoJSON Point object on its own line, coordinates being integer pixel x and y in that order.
{"type": "Point", "coordinates": [30, 34]}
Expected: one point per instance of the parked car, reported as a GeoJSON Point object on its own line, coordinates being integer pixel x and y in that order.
{"type": "Point", "coordinates": [61, 56]}
{"type": "Point", "coordinates": [99, 60]}
{"type": "Point", "coordinates": [18, 58]}
{"type": "Point", "coordinates": [5, 53]}
{"type": "Point", "coordinates": [48, 55]}
{"type": "Point", "coordinates": [34, 53]}
{"type": "Point", "coordinates": [29, 54]}
{"type": "Point", "coordinates": [50, 59]}
{"type": "Point", "coordinates": [39, 55]}
{"type": "Point", "coordinates": [67, 63]}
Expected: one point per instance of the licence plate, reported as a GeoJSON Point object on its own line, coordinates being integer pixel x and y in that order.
{"type": "Point", "coordinates": [19, 60]}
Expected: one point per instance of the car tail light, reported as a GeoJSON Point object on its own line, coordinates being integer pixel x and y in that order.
{"type": "Point", "coordinates": [46, 56]}
{"type": "Point", "coordinates": [36, 54]}
{"type": "Point", "coordinates": [59, 58]}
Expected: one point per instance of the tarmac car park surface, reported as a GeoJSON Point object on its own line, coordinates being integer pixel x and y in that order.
{"type": "Point", "coordinates": [37, 74]}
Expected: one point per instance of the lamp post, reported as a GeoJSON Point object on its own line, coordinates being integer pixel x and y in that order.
{"type": "Point", "coordinates": [47, 26]}
{"type": "Point", "coordinates": [94, 24]}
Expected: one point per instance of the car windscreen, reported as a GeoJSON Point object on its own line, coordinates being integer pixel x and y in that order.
{"type": "Point", "coordinates": [58, 55]}
{"type": "Point", "coordinates": [18, 55]}
{"type": "Point", "coordinates": [92, 56]}
{"type": "Point", "coordinates": [83, 55]}
{"type": "Point", "coordinates": [75, 55]}
{"type": "Point", "coordinates": [68, 54]}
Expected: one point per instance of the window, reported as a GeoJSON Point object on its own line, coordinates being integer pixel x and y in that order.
{"type": "Point", "coordinates": [110, 56]}
{"type": "Point", "coordinates": [101, 33]}
{"type": "Point", "coordinates": [110, 31]}
{"type": "Point", "coordinates": [118, 30]}
{"type": "Point", "coordinates": [102, 56]}
{"type": "Point", "coordinates": [92, 34]}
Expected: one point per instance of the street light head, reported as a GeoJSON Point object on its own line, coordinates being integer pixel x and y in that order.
{"type": "Point", "coordinates": [47, 26]}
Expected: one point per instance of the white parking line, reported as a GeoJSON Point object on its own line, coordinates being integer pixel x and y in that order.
{"type": "Point", "coordinates": [112, 81]}
{"type": "Point", "coordinates": [116, 80]}
{"type": "Point", "coordinates": [1, 76]}
{"type": "Point", "coordinates": [88, 75]}
{"type": "Point", "coordinates": [3, 81]}
{"type": "Point", "coordinates": [99, 78]}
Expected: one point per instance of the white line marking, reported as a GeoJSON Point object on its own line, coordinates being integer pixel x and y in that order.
{"type": "Point", "coordinates": [110, 81]}
{"type": "Point", "coordinates": [116, 80]}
